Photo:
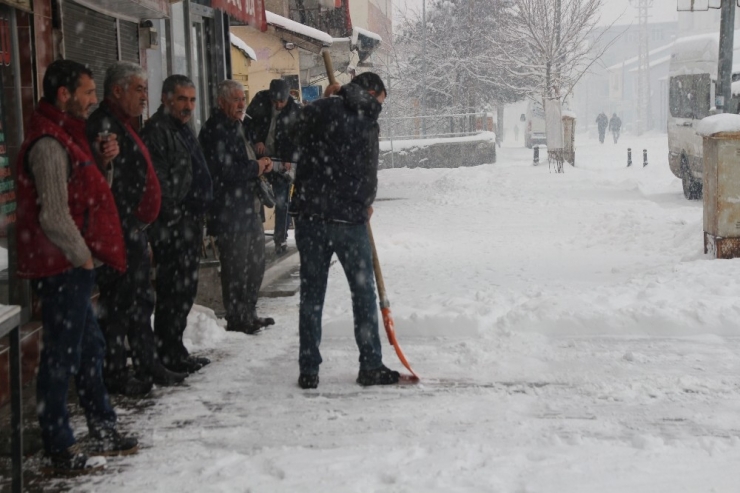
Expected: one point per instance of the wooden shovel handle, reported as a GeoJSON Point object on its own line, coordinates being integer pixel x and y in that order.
{"type": "Point", "coordinates": [329, 67]}
{"type": "Point", "coordinates": [384, 303]}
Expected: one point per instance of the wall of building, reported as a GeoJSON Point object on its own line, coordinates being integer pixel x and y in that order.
{"type": "Point", "coordinates": [273, 60]}
{"type": "Point", "coordinates": [240, 69]}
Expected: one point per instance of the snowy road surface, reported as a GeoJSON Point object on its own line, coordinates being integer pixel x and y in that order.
{"type": "Point", "coordinates": [572, 335]}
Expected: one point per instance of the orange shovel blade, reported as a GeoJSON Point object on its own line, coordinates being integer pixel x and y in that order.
{"type": "Point", "coordinates": [390, 330]}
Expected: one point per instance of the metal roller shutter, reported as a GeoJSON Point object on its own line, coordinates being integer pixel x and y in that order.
{"type": "Point", "coordinates": [129, 32]}
{"type": "Point", "coordinates": [92, 38]}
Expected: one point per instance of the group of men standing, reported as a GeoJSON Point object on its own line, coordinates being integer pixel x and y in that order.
{"type": "Point", "coordinates": [95, 195]}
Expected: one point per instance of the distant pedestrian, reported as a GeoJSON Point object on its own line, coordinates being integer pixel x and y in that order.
{"type": "Point", "coordinates": [336, 183]}
{"type": "Point", "coordinates": [67, 222]}
{"type": "Point", "coordinates": [615, 125]}
{"type": "Point", "coordinates": [516, 133]}
{"type": "Point", "coordinates": [602, 121]}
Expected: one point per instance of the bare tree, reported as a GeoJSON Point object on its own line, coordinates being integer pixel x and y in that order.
{"type": "Point", "coordinates": [550, 43]}
{"type": "Point", "coordinates": [458, 72]}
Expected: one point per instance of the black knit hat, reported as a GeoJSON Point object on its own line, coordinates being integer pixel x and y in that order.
{"type": "Point", "coordinates": [279, 90]}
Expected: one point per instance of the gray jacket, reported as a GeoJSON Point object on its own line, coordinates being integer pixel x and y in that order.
{"type": "Point", "coordinates": [172, 163]}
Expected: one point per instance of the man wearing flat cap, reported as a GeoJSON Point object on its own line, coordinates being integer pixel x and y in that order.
{"type": "Point", "coordinates": [270, 119]}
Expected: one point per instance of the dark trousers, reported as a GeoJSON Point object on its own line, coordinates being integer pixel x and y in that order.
{"type": "Point", "coordinates": [281, 189]}
{"type": "Point", "coordinates": [177, 251]}
{"type": "Point", "coordinates": [242, 256]}
{"type": "Point", "coordinates": [615, 134]}
{"type": "Point", "coordinates": [602, 133]}
{"type": "Point", "coordinates": [126, 305]}
{"type": "Point", "coordinates": [74, 347]}
{"type": "Point", "coordinates": [317, 241]}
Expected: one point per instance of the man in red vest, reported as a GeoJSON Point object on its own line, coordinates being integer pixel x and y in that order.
{"type": "Point", "coordinates": [126, 300]}
{"type": "Point", "coordinates": [67, 223]}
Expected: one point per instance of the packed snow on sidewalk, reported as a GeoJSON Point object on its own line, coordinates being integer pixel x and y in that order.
{"type": "Point", "coordinates": [571, 334]}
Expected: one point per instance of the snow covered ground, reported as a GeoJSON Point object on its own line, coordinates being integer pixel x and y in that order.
{"type": "Point", "coordinates": [571, 334]}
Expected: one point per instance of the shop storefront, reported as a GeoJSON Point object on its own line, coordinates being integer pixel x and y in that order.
{"type": "Point", "coordinates": [16, 103]}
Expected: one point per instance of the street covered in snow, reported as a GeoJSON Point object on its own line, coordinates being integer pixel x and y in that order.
{"type": "Point", "coordinates": [570, 333]}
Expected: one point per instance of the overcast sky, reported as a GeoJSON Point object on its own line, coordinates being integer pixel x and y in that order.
{"type": "Point", "coordinates": [619, 10]}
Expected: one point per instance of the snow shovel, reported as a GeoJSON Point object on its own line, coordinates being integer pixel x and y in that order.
{"type": "Point", "coordinates": [385, 310]}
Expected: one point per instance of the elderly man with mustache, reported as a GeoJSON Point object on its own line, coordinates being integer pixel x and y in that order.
{"type": "Point", "coordinates": [127, 300]}
{"type": "Point", "coordinates": [177, 234]}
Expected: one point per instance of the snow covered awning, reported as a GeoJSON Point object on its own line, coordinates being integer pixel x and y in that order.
{"type": "Point", "coordinates": [240, 45]}
{"type": "Point", "coordinates": [303, 36]}
{"type": "Point", "coordinates": [365, 42]}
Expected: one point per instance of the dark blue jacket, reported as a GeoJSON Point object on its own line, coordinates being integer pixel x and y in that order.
{"type": "Point", "coordinates": [337, 173]}
{"type": "Point", "coordinates": [235, 205]}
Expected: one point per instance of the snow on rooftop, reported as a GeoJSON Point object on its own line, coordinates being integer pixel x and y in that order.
{"type": "Point", "coordinates": [298, 28]}
{"type": "Point", "coordinates": [358, 30]}
{"type": "Point", "coordinates": [567, 114]}
{"type": "Point", "coordinates": [724, 122]}
{"type": "Point", "coordinates": [242, 46]}
{"type": "Point", "coordinates": [634, 60]}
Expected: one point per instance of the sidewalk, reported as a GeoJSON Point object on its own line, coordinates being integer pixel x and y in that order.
{"type": "Point", "coordinates": [277, 282]}
{"type": "Point", "coordinates": [280, 280]}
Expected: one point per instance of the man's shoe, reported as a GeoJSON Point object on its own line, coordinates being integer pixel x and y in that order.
{"type": "Point", "coordinates": [306, 381]}
{"type": "Point", "coordinates": [73, 462]}
{"type": "Point", "coordinates": [281, 248]}
{"type": "Point", "coordinates": [378, 376]}
{"type": "Point", "coordinates": [258, 324]}
{"type": "Point", "coordinates": [163, 377]}
{"type": "Point", "coordinates": [108, 442]}
{"type": "Point", "coordinates": [191, 364]}
{"type": "Point", "coordinates": [128, 385]}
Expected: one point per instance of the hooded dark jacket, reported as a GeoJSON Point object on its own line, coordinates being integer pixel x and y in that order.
{"type": "Point", "coordinates": [259, 116]}
{"type": "Point", "coordinates": [337, 173]}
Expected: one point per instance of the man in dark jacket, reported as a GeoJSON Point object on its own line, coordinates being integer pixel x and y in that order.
{"type": "Point", "coordinates": [335, 184]}
{"type": "Point", "coordinates": [601, 122]}
{"type": "Point", "coordinates": [126, 301]}
{"type": "Point", "coordinates": [615, 125]}
{"type": "Point", "coordinates": [234, 218]}
{"type": "Point", "coordinates": [177, 234]}
{"type": "Point", "coordinates": [271, 117]}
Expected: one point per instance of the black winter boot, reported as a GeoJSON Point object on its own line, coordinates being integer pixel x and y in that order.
{"type": "Point", "coordinates": [308, 381]}
{"type": "Point", "coordinates": [108, 442]}
{"type": "Point", "coordinates": [123, 383]}
{"type": "Point", "coordinates": [378, 376]}
{"type": "Point", "coordinates": [73, 462]}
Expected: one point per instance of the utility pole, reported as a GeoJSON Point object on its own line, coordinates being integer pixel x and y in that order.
{"type": "Point", "coordinates": [424, 65]}
{"type": "Point", "coordinates": [643, 65]}
{"type": "Point", "coordinates": [724, 65]}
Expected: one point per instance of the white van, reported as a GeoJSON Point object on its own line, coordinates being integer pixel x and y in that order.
{"type": "Point", "coordinates": [691, 91]}
{"type": "Point", "coordinates": [534, 126]}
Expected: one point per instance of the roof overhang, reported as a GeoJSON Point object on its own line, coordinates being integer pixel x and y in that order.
{"type": "Point", "coordinates": [300, 35]}
{"type": "Point", "coordinates": [19, 4]}
{"type": "Point", "coordinates": [132, 9]}
{"type": "Point", "coordinates": [240, 45]}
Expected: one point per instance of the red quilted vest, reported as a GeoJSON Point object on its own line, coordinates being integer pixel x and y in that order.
{"type": "Point", "coordinates": [90, 201]}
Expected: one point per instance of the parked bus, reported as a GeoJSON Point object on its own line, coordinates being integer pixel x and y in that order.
{"type": "Point", "coordinates": [691, 94]}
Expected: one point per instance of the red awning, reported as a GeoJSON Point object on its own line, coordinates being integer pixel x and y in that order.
{"type": "Point", "coordinates": [250, 11]}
